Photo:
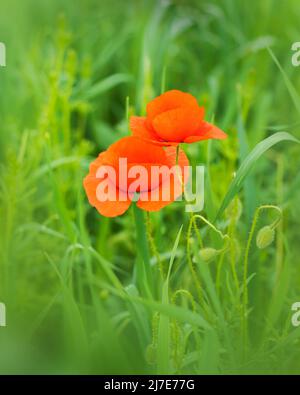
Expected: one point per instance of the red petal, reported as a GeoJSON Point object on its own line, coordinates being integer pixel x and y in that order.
{"type": "Point", "coordinates": [206, 131]}
{"type": "Point", "coordinates": [169, 101]}
{"type": "Point", "coordinates": [176, 125]}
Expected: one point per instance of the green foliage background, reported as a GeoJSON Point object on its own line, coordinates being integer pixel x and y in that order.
{"type": "Point", "coordinates": [69, 277]}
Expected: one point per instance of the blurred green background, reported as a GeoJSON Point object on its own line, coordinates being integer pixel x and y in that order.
{"type": "Point", "coordinates": [68, 276]}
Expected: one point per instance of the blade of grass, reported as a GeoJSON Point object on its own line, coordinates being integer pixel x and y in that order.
{"type": "Point", "coordinates": [249, 163]}
{"type": "Point", "coordinates": [250, 187]}
{"type": "Point", "coordinates": [292, 91]}
{"type": "Point", "coordinates": [106, 84]}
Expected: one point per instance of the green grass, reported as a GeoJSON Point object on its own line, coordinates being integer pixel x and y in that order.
{"type": "Point", "coordinates": [87, 294]}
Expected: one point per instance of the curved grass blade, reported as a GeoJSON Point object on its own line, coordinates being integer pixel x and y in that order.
{"type": "Point", "coordinates": [249, 163]}
{"type": "Point", "coordinates": [105, 85]}
{"type": "Point", "coordinates": [292, 91]}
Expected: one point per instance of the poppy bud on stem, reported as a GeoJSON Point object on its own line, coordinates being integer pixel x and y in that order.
{"type": "Point", "coordinates": [263, 240]}
{"type": "Point", "coordinates": [265, 237]}
{"type": "Point", "coordinates": [205, 254]}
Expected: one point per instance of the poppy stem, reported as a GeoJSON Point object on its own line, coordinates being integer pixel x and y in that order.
{"type": "Point", "coordinates": [144, 273]}
{"type": "Point", "coordinates": [177, 154]}
{"type": "Point", "coordinates": [153, 247]}
{"type": "Point", "coordinates": [163, 80]}
{"type": "Point", "coordinates": [179, 174]}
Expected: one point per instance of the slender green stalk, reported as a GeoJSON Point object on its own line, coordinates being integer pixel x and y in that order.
{"type": "Point", "coordinates": [190, 262]}
{"type": "Point", "coordinates": [279, 239]}
{"type": "Point", "coordinates": [223, 250]}
{"type": "Point", "coordinates": [153, 246]}
{"type": "Point", "coordinates": [197, 232]}
{"type": "Point", "coordinates": [178, 169]}
{"type": "Point", "coordinates": [127, 108]}
{"type": "Point", "coordinates": [144, 273]}
{"type": "Point", "coordinates": [177, 153]}
{"type": "Point", "coordinates": [163, 80]}
{"type": "Point", "coordinates": [219, 270]}
{"type": "Point", "coordinates": [231, 233]}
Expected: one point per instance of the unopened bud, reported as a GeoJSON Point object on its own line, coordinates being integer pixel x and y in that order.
{"type": "Point", "coordinates": [265, 237]}
{"type": "Point", "coordinates": [208, 253]}
{"type": "Point", "coordinates": [104, 294]}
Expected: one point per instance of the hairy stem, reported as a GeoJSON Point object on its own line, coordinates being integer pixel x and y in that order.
{"type": "Point", "coordinates": [246, 264]}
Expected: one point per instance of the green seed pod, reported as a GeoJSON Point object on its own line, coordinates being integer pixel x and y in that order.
{"type": "Point", "coordinates": [208, 253]}
{"type": "Point", "coordinates": [265, 237]}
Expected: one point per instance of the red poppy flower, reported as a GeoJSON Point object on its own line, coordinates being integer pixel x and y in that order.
{"type": "Point", "coordinates": [112, 182]}
{"type": "Point", "coordinates": [172, 118]}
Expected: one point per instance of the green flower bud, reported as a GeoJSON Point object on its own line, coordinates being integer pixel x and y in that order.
{"type": "Point", "coordinates": [104, 294]}
{"type": "Point", "coordinates": [265, 237]}
{"type": "Point", "coordinates": [208, 253]}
